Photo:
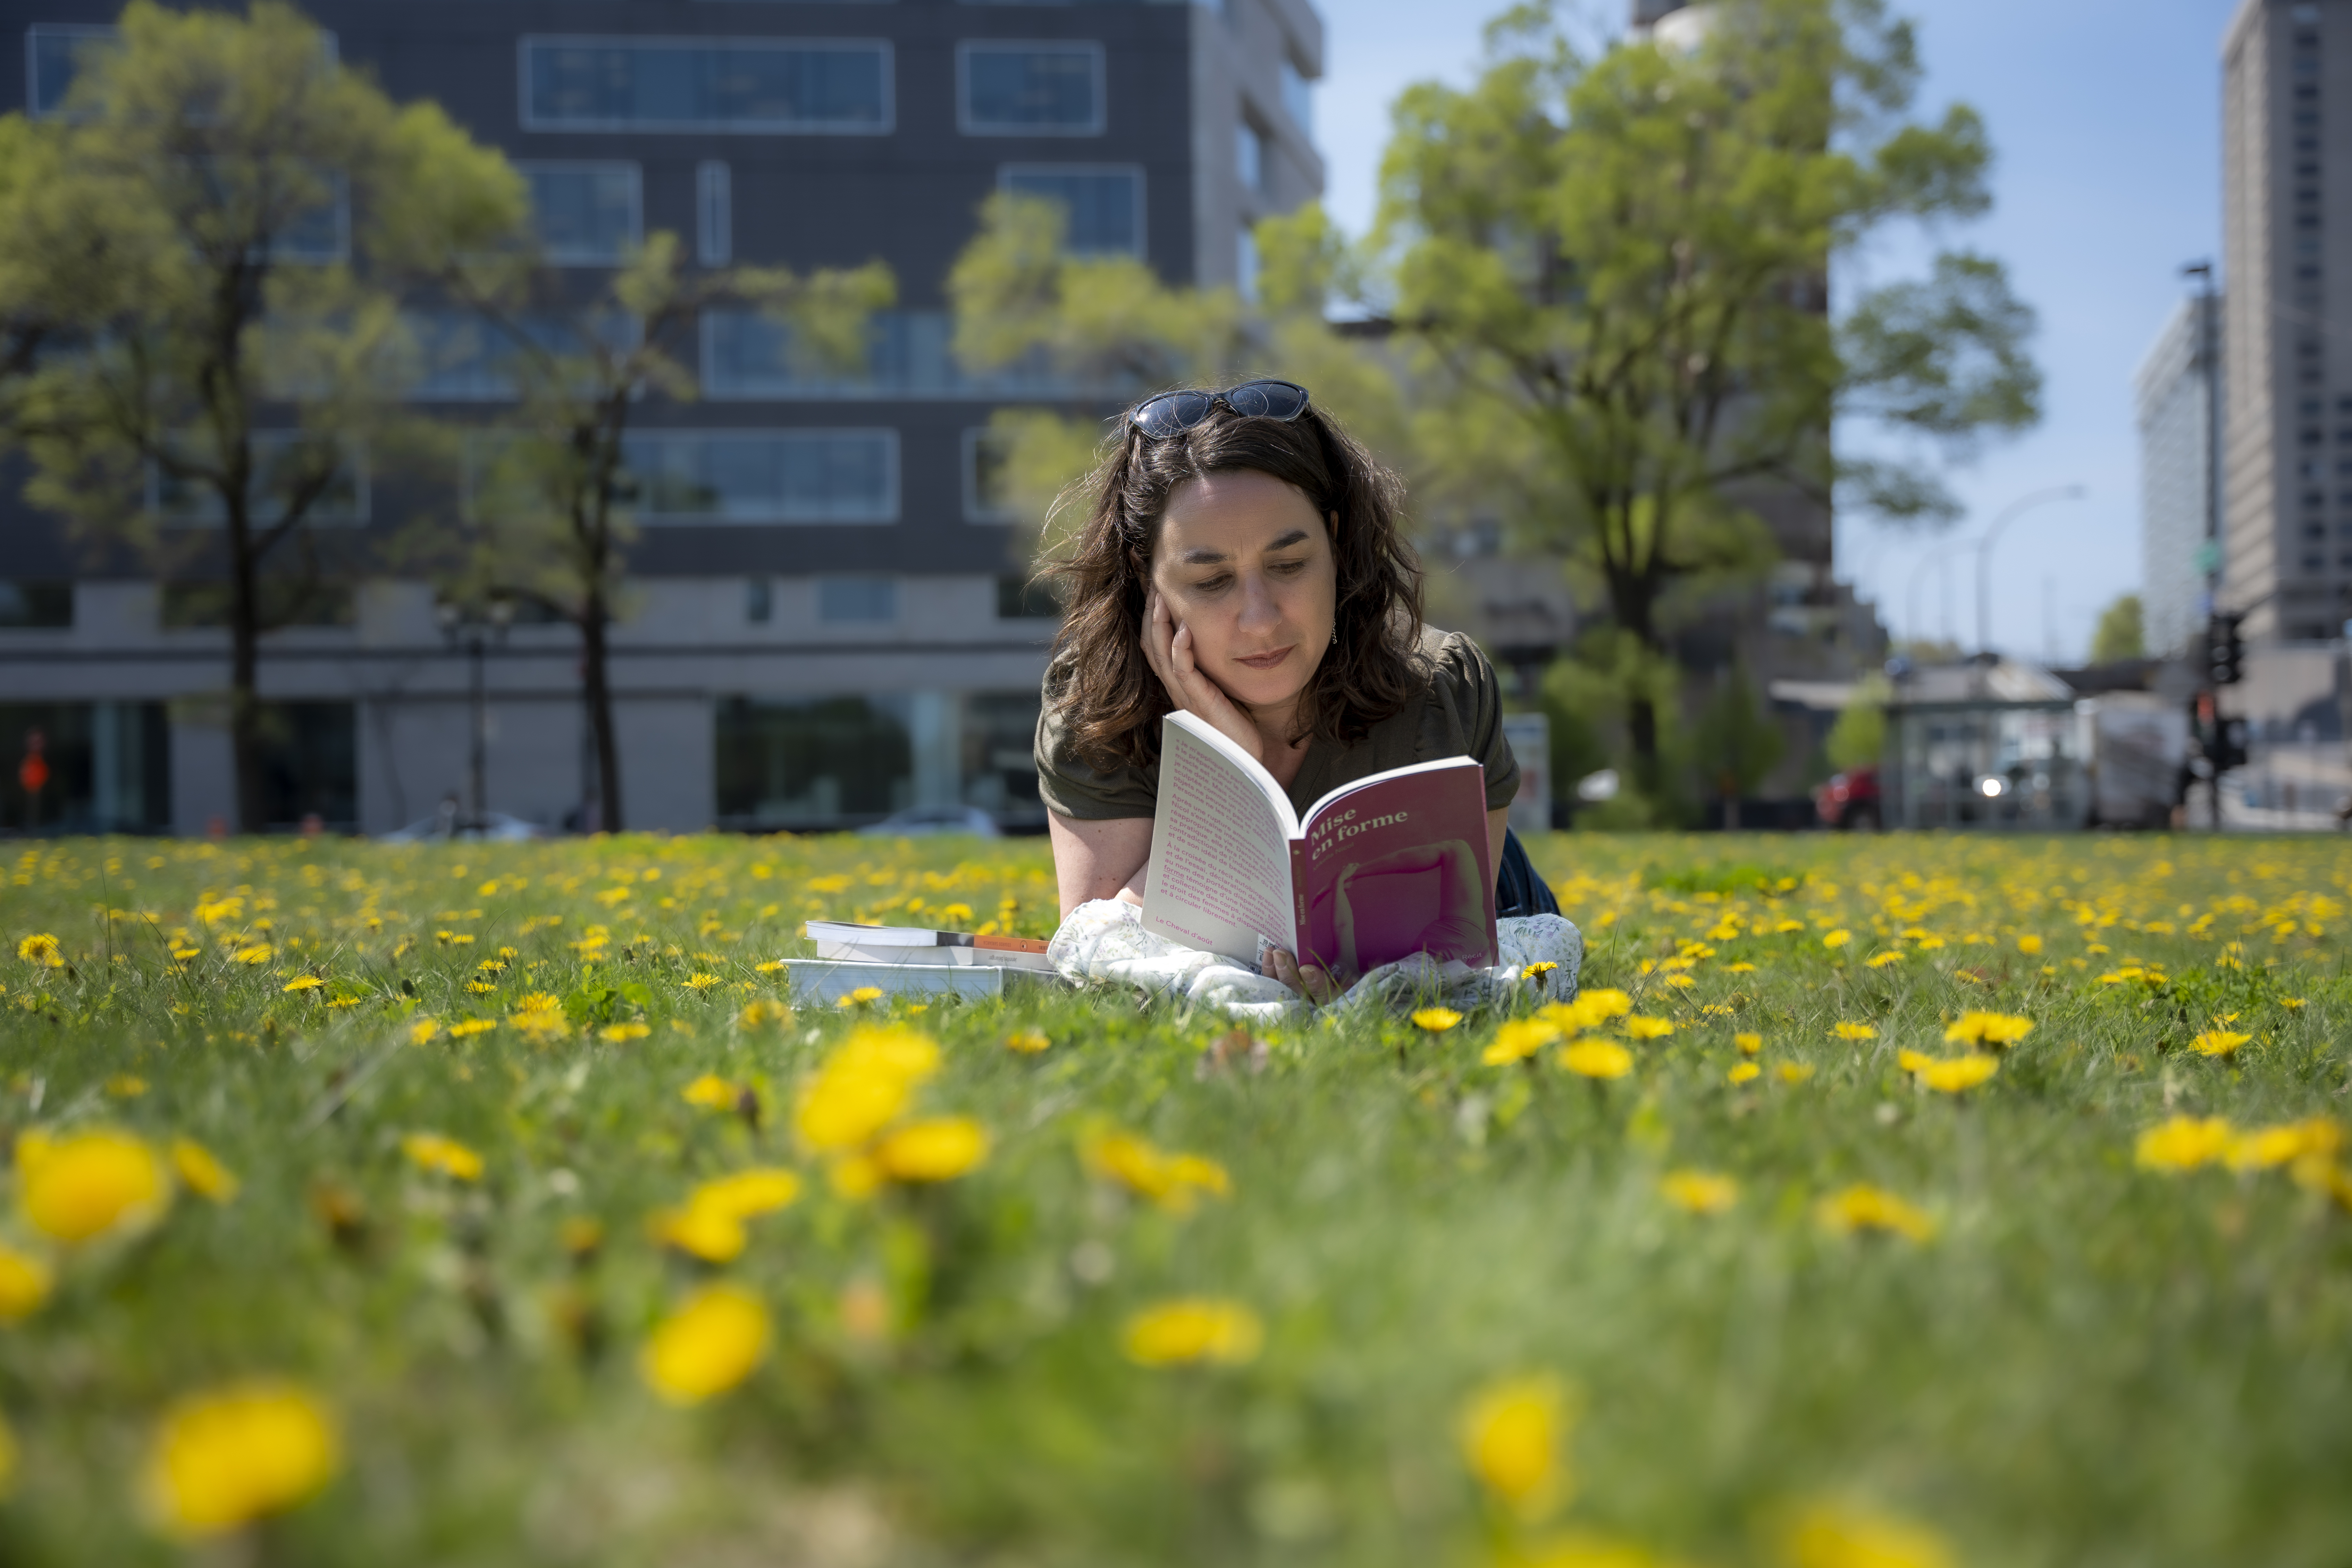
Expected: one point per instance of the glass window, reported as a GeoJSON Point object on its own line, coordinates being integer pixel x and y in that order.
{"type": "Point", "coordinates": [842, 600]}
{"type": "Point", "coordinates": [763, 476]}
{"type": "Point", "coordinates": [284, 599]}
{"type": "Point", "coordinates": [1246, 264]}
{"type": "Point", "coordinates": [999, 764]}
{"type": "Point", "coordinates": [1298, 100]}
{"type": "Point", "coordinates": [822, 762]}
{"type": "Point", "coordinates": [282, 460]}
{"type": "Point", "coordinates": [53, 57]}
{"type": "Point", "coordinates": [1025, 599]}
{"type": "Point", "coordinates": [1104, 203]}
{"type": "Point", "coordinates": [32, 604]}
{"type": "Point", "coordinates": [714, 215]}
{"type": "Point", "coordinates": [985, 455]}
{"type": "Point", "coordinates": [1249, 156]}
{"type": "Point", "coordinates": [759, 601]}
{"type": "Point", "coordinates": [770, 85]}
{"type": "Point", "coordinates": [587, 215]}
{"type": "Point", "coordinates": [110, 767]}
{"type": "Point", "coordinates": [1030, 89]}
{"type": "Point", "coordinates": [463, 358]}
{"type": "Point", "coordinates": [746, 355]}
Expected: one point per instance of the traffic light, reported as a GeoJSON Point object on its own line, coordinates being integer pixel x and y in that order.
{"type": "Point", "coordinates": [2225, 650]}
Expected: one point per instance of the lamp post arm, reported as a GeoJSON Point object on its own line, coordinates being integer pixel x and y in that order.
{"type": "Point", "coordinates": [1993, 533]}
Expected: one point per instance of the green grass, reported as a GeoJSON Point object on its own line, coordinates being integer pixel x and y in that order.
{"type": "Point", "coordinates": [2089, 1362]}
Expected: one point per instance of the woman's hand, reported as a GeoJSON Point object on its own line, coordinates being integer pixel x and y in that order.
{"type": "Point", "coordinates": [1320, 986]}
{"type": "Point", "coordinates": [1168, 648]}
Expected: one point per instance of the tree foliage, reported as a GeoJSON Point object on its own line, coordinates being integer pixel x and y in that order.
{"type": "Point", "coordinates": [2122, 631]}
{"type": "Point", "coordinates": [200, 260]}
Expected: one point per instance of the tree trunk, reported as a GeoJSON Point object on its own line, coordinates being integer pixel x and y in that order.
{"type": "Point", "coordinates": [597, 688]}
{"type": "Point", "coordinates": [243, 667]}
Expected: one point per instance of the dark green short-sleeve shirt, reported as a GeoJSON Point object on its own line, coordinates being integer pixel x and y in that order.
{"type": "Point", "coordinates": [1459, 713]}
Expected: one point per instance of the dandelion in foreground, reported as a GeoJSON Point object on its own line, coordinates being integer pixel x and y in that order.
{"type": "Point", "coordinates": [863, 1086]}
{"type": "Point", "coordinates": [1511, 1434]}
{"type": "Point", "coordinates": [126, 1086]}
{"type": "Point", "coordinates": [1854, 1031]}
{"type": "Point", "coordinates": [41, 948]}
{"type": "Point", "coordinates": [621, 1033]}
{"type": "Point", "coordinates": [1881, 960]}
{"type": "Point", "coordinates": [1744, 1072]}
{"type": "Point", "coordinates": [1191, 1330]}
{"type": "Point", "coordinates": [1028, 1042]}
{"type": "Point", "coordinates": [2316, 1141]}
{"type": "Point", "coordinates": [200, 1173]}
{"type": "Point", "coordinates": [2029, 945]}
{"type": "Point", "coordinates": [1795, 1072]}
{"type": "Point", "coordinates": [2184, 1143]}
{"type": "Point", "coordinates": [1596, 1058]}
{"type": "Point", "coordinates": [303, 983]}
{"type": "Point", "coordinates": [1837, 938]}
{"type": "Point", "coordinates": [2218, 1043]}
{"type": "Point", "coordinates": [940, 1149]}
{"type": "Point", "coordinates": [433, 1152]}
{"type": "Point", "coordinates": [1173, 1181]}
{"type": "Point", "coordinates": [1517, 1040]}
{"type": "Point", "coordinates": [1865, 1208]}
{"type": "Point", "coordinates": [1699, 1192]}
{"type": "Point", "coordinates": [700, 981]}
{"type": "Point", "coordinates": [259, 953]}
{"type": "Point", "coordinates": [711, 1093]}
{"type": "Point", "coordinates": [1642, 1028]}
{"type": "Point", "coordinates": [24, 1283]}
{"type": "Point", "coordinates": [861, 996]}
{"type": "Point", "coordinates": [705, 1347]}
{"type": "Point", "coordinates": [1948, 1075]}
{"type": "Point", "coordinates": [1436, 1020]}
{"type": "Point", "coordinates": [1981, 1029]}
{"type": "Point", "coordinates": [1748, 1044]}
{"type": "Point", "coordinates": [88, 1184]}
{"type": "Point", "coordinates": [1835, 1535]}
{"type": "Point", "coordinates": [423, 1031]}
{"type": "Point", "coordinates": [236, 1454]}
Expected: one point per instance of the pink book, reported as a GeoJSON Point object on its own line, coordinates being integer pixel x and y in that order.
{"type": "Point", "coordinates": [1375, 870]}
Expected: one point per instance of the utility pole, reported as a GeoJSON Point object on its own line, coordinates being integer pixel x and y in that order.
{"type": "Point", "coordinates": [2219, 666]}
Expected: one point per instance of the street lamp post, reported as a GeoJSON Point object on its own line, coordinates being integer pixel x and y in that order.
{"type": "Point", "coordinates": [1942, 552]}
{"type": "Point", "coordinates": [1993, 533]}
{"type": "Point", "coordinates": [461, 625]}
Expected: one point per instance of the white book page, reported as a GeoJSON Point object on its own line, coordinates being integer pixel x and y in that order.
{"type": "Point", "coordinates": [1220, 872]}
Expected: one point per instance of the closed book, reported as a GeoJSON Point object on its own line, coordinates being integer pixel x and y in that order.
{"type": "Point", "coordinates": [922, 945]}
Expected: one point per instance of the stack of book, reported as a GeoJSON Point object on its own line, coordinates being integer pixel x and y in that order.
{"type": "Point", "coordinates": [915, 960]}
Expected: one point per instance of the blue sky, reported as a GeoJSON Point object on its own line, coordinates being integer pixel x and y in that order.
{"type": "Point", "coordinates": [2106, 115]}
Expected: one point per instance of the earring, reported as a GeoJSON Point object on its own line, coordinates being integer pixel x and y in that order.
{"type": "Point", "coordinates": [1335, 636]}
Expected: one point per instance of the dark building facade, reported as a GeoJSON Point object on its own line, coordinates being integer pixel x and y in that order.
{"type": "Point", "coordinates": [826, 625]}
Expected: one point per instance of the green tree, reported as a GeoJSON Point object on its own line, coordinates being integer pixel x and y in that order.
{"type": "Point", "coordinates": [2122, 631]}
{"type": "Point", "coordinates": [1613, 270]}
{"type": "Point", "coordinates": [199, 261]}
{"type": "Point", "coordinates": [552, 497]}
{"type": "Point", "coordinates": [1736, 742]}
{"type": "Point", "coordinates": [1858, 739]}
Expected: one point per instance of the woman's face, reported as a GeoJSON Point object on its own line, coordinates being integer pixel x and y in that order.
{"type": "Point", "coordinates": [1244, 560]}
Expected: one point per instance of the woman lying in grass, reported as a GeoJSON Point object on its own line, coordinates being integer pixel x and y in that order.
{"type": "Point", "coordinates": [1240, 560]}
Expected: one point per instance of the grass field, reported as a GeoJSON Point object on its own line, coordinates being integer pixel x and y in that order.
{"type": "Point", "coordinates": [492, 1205]}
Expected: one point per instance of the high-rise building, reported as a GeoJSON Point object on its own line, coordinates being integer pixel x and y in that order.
{"type": "Point", "coordinates": [2286, 467]}
{"type": "Point", "coordinates": [828, 623]}
{"type": "Point", "coordinates": [2178, 499]}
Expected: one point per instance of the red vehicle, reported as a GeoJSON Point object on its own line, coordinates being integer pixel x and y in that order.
{"type": "Point", "coordinates": [1850, 801]}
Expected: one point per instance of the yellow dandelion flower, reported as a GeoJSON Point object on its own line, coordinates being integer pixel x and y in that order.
{"type": "Point", "coordinates": [861, 996]}
{"type": "Point", "coordinates": [2184, 1143]}
{"type": "Point", "coordinates": [25, 1284]}
{"type": "Point", "coordinates": [201, 1173]}
{"type": "Point", "coordinates": [1511, 1433]}
{"type": "Point", "coordinates": [1837, 938]}
{"type": "Point", "coordinates": [1027, 1042]}
{"type": "Point", "coordinates": [231, 1455]}
{"type": "Point", "coordinates": [1744, 1072]}
{"type": "Point", "coordinates": [1436, 1020]}
{"type": "Point", "coordinates": [709, 1233]}
{"type": "Point", "coordinates": [42, 948]}
{"type": "Point", "coordinates": [1824, 1535]}
{"type": "Point", "coordinates": [1700, 1192]}
{"type": "Point", "coordinates": [1642, 1028]}
{"type": "Point", "coordinates": [90, 1184]}
{"type": "Point", "coordinates": [1195, 1329]}
{"type": "Point", "coordinates": [259, 953]}
{"type": "Point", "coordinates": [713, 1341]}
{"type": "Point", "coordinates": [1539, 970]}
{"type": "Point", "coordinates": [1748, 1044]}
{"type": "Point", "coordinates": [1988, 1029]}
{"type": "Point", "coordinates": [1742, 968]}
{"type": "Point", "coordinates": [1597, 1059]}
{"type": "Point", "coordinates": [423, 1031]}
{"type": "Point", "coordinates": [1865, 1208]}
{"type": "Point", "coordinates": [433, 1152]}
{"type": "Point", "coordinates": [537, 1002]}
{"type": "Point", "coordinates": [472, 1027]}
{"type": "Point", "coordinates": [1172, 1181]}
{"type": "Point", "coordinates": [620, 1033]}
{"type": "Point", "coordinates": [1681, 981]}
{"type": "Point", "coordinates": [1948, 1075]}
{"type": "Point", "coordinates": [1518, 1040]}
{"type": "Point", "coordinates": [2218, 1043]}
{"type": "Point", "coordinates": [700, 981]}
{"type": "Point", "coordinates": [303, 983]}
{"type": "Point", "coordinates": [762, 1012]}
{"type": "Point", "coordinates": [940, 1149]}
{"type": "Point", "coordinates": [1854, 1031]}
{"type": "Point", "coordinates": [2267, 1148]}
{"type": "Point", "coordinates": [1881, 960]}
{"type": "Point", "coordinates": [773, 966]}
{"type": "Point", "coordinates": [126, 1086]}
{"type": "Point", "coordinates": [1794, 1072]}
{"type": "Point", "coordinates": [711, 1093]}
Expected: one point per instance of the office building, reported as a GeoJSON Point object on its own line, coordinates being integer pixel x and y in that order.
{"type": "Point", "coordinates": [828, 621]}
{"type": "Point", "coordinates": [2287, 244]}
{"type": "Point", "coordinates": [2178, 502]}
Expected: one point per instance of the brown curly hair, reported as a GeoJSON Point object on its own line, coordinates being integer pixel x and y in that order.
{"type": "Point", "coordinates": [1113, 714]}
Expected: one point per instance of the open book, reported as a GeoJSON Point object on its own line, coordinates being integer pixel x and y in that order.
{"type": "Point", "coordinates": [1378, 869]}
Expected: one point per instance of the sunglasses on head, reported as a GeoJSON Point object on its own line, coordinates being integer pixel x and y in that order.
{"type": "Point", "coordinates": [1170, 414]}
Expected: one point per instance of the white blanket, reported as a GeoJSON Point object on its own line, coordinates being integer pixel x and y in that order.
{"type": "Point", "coordinates": [1104, 942]}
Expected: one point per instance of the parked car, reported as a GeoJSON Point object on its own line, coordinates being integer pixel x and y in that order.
{"type": "Point", "coordinates": [1850, 801]}
{"type": "Point", "coordinates": [922, 821]}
